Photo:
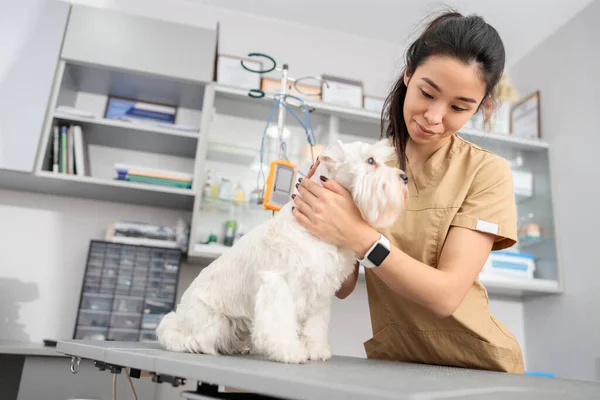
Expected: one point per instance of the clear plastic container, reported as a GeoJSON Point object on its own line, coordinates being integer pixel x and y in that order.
{"type": "Point", "coordinates": [148, 336]}
{"type": "Point", "coordinates": [93, 318]}
{"type": "Point", "coordinates": [90, 333]}
{"type": "Point", "coordinates": [99, 302]}
{"type": "Point", "coordinates": [140, 274]}
{"type": "Point", "coordinates": [107, 285]}
{"type": "Point", "coordinates": [96, 260]}
{"type": "Point", "coordinates": [123, 335]}
{"type": "Point", "coordinates": [125, 320]}
{"type": "Point", "coordinates": [157, 306]}
{"type": "Point", "coordinates": [128, 304]}
{"type": "Point", "coordinates": [91, 284]}
{"type": "Point", "coordinates": [168, 289]}
{"type": "Point", "coordinates": [151, 321]}
{"type": "Point", "coordinates": [94, 271]}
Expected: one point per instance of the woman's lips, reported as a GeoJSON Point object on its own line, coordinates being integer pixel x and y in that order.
{"type": "Point", "coordinates": [422, 130]}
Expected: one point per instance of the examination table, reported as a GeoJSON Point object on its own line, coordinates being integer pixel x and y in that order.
{"type": "Point", "coordinates": [345, 378]}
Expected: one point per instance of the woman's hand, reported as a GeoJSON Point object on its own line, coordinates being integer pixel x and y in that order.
{"type": "Point", "coordinates": [329, 213]}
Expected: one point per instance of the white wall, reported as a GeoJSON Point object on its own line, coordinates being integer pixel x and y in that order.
{"type": "Point", "coordinates": [61, 241]}
{"type": "Point", "coordinates": [564, 68]}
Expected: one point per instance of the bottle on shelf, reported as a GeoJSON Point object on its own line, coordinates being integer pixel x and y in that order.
{"type": "Point", "coordinates": [230, 228]}
{"type": "Point", "coordinates": [207, 190]}
{"type": "Point", "coordinates": [240, 195]}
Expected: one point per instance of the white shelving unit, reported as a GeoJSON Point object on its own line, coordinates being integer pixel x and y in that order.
{"type": "Point", "coordinates": [234, 122]}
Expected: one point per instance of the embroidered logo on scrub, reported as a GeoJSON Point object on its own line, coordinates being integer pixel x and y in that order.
{"type": "Point", "coordinates": [485, 226]}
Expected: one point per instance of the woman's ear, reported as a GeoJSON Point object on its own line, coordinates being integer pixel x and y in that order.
{"type": "Point", "coordinates": [406, 77]}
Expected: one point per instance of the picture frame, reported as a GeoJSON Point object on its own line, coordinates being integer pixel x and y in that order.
{"type": "Point", "coordinates": [525, 118]}
{"type": "Point", "coordinates": [342, 91]}
{"type": "Point", "coordinates": [124, 108]}
{"type": "Point", "coordinates": [372, 103]}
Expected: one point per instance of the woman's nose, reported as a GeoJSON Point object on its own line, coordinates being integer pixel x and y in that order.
{"type": "Point", "coordinates": [404, 177]}
{"type": "Point", "coordinates": [434, 114]}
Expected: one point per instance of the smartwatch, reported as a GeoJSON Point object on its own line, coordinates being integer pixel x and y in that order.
{"type": "Point", "coordinates": [377, 253]}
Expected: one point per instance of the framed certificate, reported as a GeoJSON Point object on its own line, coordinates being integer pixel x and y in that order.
{"type": "Point", "coordinates": [525, 117]}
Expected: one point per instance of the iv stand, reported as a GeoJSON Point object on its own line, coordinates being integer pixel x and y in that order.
{"type": "Point", "coordinates": [281, 116]}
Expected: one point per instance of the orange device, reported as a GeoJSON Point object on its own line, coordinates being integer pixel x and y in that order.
{"type": "Point", "coordinates": [280, 184]}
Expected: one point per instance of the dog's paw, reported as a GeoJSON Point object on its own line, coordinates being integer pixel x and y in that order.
{"type": "Point", "coordinates": [292, 354]}
{"type": "Point", "coordinates": [320, 353]}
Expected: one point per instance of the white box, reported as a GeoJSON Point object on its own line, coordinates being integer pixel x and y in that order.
{"type": "Point", "coordinates": [509, 265]}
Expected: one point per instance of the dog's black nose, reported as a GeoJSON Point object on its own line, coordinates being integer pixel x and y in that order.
{"type": "Point", "coordinates": [404, 178]}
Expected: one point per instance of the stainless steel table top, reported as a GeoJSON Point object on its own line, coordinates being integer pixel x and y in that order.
{"type": "Point", "coordinates": [340, 378]}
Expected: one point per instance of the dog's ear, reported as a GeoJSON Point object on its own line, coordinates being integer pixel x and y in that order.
{"type": "Point", "coordinates": [333, 155]}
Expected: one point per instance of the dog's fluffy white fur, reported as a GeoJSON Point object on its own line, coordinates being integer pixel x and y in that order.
{"type": "Point", "coordinates": [271, 293]}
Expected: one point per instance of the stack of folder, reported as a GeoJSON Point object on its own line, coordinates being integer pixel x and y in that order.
{"type": "Point", "coordinates": [153, 176]}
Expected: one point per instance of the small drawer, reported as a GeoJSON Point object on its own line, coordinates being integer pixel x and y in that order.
{"type": "Point", "coordinates": [148, 336]}
{"type": "Point", "coordinates": [128, 304]}
{"type": "Point", "coordinates": [168, 290]}
{"type": "Point", "coordinates": [107, 290]}
{"type": "Point", "coordinates": [93, 318]}
{"type": "Point", "coordinates": [124, 281]}
{"type": "Point", "coordinates": [93, 271]}
{"type": "Point", "coordinates": [151, 321]}
{"type": "Point", "coordinates": [90, 333]}
{"type": "Point", "coordinates": [114, 264]}
{"type": "Point", "coordinates": [108, 283]}
{"type": "Point", "coordinates": [125, 320]}
{"type": "Point", "coordinates": [98, 302]}
{"type": "Point", "coordinates": [91, 284]}
{"type": "Point", "coordinates": [156, 273]}
{"type": "Point", "coordinates": [97, 246]}
{"type": "Point", "coordinates": [95, 261]}
{"type": "Point", "coordinates": [123, 335]}
{"type": "Point", "coordinates": [126, 263]}
{"type": "Point", "coordinates": [140, 274]}
{"type": "Point", "coordinates": [157, 306]}
{"type": "Point", "coordinates": [137, 291]}
{"type": "Point", "coordinates": [110, 272]}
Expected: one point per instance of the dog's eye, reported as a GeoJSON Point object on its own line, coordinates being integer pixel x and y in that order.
{"type": "Point", "coordinates": [371, 160]}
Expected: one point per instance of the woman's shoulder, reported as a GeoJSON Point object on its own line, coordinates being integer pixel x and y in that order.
{"type": "Point", "coordinates": [484, 163]}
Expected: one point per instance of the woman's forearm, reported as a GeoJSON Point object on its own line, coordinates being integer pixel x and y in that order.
{"type": "Point", "coordinates": [411, 279]}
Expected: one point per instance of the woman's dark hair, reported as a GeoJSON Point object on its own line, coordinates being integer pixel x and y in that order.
{"type": "Point", "coordinates": [466, 38]}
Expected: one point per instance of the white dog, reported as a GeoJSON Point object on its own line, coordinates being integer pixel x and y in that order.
{"type": "Point", "coordinates": [271, 293]}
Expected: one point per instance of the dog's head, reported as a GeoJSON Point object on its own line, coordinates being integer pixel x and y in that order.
{"type": "Point", "coordinates": [378, 189]}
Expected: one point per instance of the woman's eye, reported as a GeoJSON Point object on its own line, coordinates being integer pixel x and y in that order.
{"type": "Point", "coordinates": [456, 108]}
{"type": "Point", "coordinates": [424, 93]}
{"type": "Point", "coordinates": [371, 161]}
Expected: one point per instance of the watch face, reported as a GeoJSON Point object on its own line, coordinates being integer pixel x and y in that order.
{"type": "Point", "coordinates": [378, 254]}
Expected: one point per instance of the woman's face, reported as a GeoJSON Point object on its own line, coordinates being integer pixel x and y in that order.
{"type": "Point", "coordinates": [443, 93]}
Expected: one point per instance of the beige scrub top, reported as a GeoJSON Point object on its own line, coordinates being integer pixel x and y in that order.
{"type": "Point", "coordinates": [460, 185]}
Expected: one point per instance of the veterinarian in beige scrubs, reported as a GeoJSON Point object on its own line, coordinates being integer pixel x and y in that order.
{"type": "Point", "coordinates": [425, 301]}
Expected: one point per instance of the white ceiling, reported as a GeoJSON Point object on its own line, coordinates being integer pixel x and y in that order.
{"type": "Point", "coordinates": [522, 24]}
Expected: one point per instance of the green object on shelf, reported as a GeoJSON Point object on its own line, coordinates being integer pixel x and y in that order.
{"type": "Point", "coordinates": [158, 181]}
{"type": "Point", "coordinates": [230, 229]}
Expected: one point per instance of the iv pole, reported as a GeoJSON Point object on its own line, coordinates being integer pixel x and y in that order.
{"type": "Point", "coordinates": [281, 116]}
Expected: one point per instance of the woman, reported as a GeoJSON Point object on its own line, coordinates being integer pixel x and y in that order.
{"type": "Point", "coordinates": [425, 301]}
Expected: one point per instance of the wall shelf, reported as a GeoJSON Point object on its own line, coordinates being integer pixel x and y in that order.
{"type": "Point", "coordinates": [133, 136]}
{"type": "Point", "coordinates": [97, 189]}
{"type": "Point", "coordinates": [115, 190]}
